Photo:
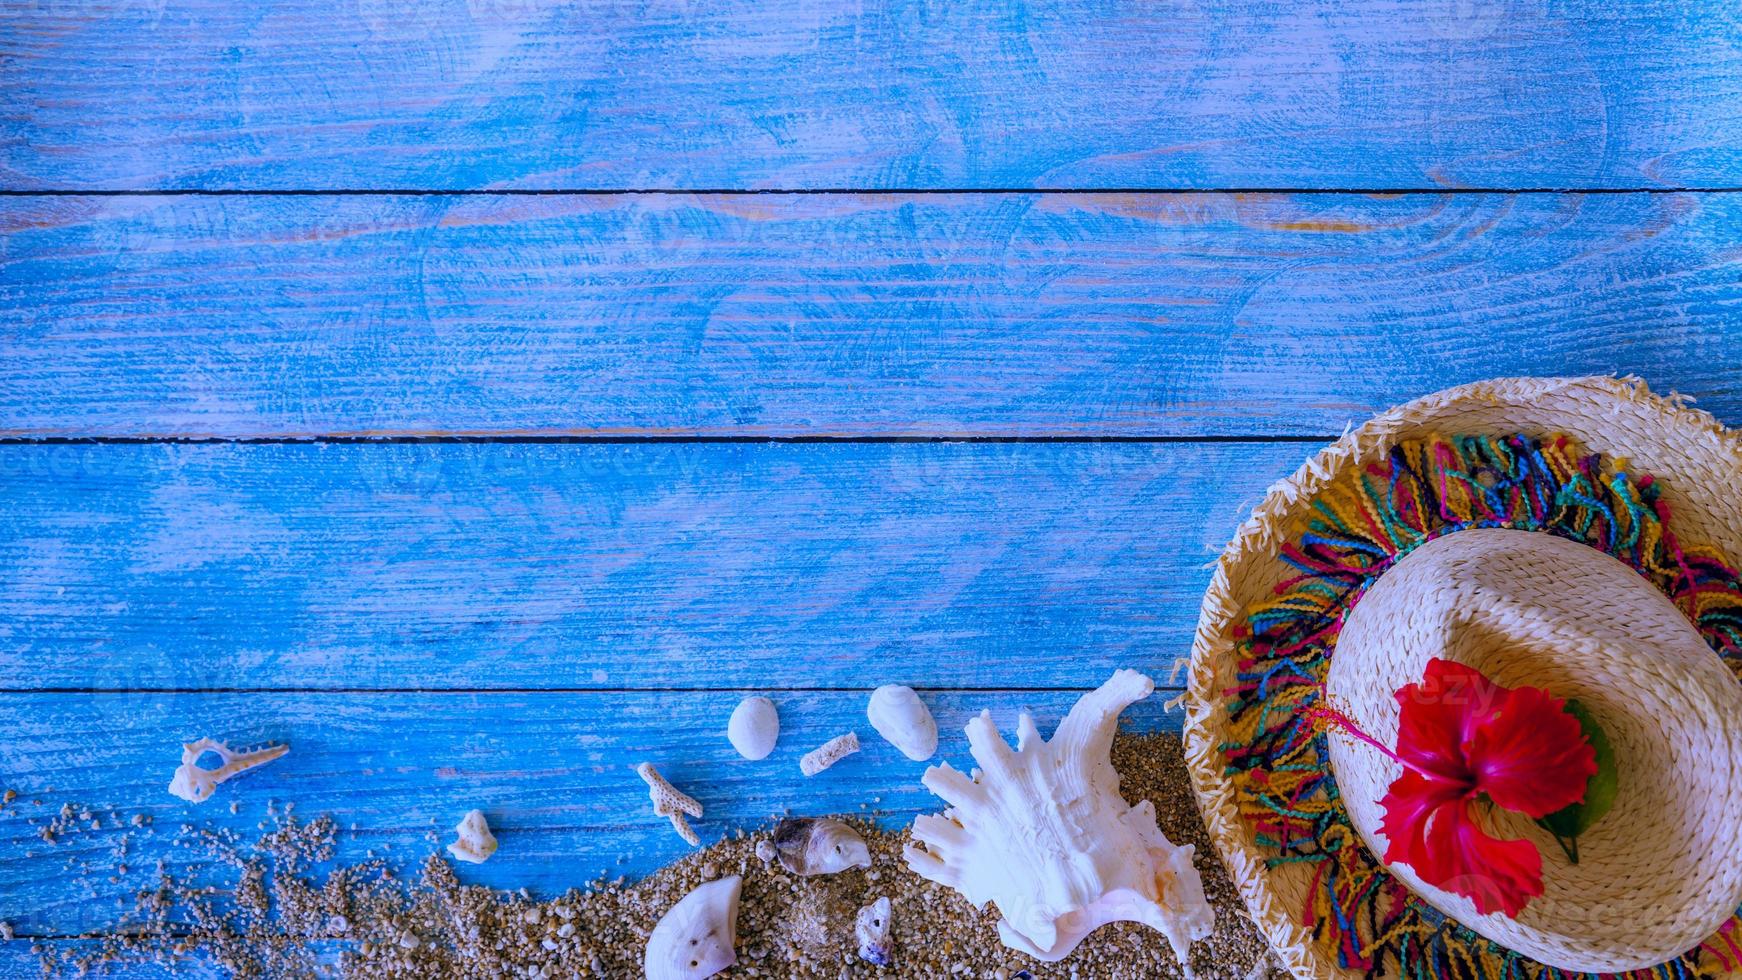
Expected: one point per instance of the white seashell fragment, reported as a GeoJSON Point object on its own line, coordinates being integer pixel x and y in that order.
{"type": "Point", "coordinates": [754, 728]}
{"type": "Point", "coordinates": [475, 843]}
{"type": "Point", "coordinates": [195, 784]}
{"type": "Point", "coordinates": [903, 719]}
{"type": "Point", "coordinates": [668, 802]}
{"type": "Point", "coordinates": [828, 753]}
{"type": "Point", "coordinates": [872, 931]}
{"type": "Point", "coordinates": [694, 938]}
{"type": "Point", "coordinates": [821, 846]}
{"type": "Point", "coordinates": [1043, 832]}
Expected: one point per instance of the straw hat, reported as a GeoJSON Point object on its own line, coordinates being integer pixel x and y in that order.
{"type": "Point", "coordinates": [1571, 534]}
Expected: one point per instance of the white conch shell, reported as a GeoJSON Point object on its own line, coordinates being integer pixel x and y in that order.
{"type": "Point", "coordinates": [194, 784]}
{"type": "Point", "coordinates": [668, 802]}
{"type": "Point", "coordinates": [475, 843]}
{"type": "Point", "coordinates": [1043, 832]}
{"type": "Point", "coordinates": [754, 728]}
{"type": "Point", "coordinates": [828, 753]}
{"type": "Point", "coordinates": [872, 931]}
{"type": "Point", "coordinates": [903, 719]}
{"type": "Point", "coordinates": [820, 846]}
{"type": "Point", "coordinates": [694, 938]}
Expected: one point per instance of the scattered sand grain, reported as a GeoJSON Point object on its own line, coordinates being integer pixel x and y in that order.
{"type": "Point", "coordinates": [272, 917]}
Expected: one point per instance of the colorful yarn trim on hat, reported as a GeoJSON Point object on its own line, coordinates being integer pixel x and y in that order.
{"type": "Point", "coordinates": [1280, 766]}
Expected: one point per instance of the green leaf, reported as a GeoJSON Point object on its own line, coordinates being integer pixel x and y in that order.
{"type": "Point", "coordinates": [1569, 822]}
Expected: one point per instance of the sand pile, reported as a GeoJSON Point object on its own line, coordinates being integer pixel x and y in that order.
{"type": "Point", "coordinates": [273, 917]}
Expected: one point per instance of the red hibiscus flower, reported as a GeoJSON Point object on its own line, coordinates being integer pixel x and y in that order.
{"type": "Point", "coordinates": [1461, 737]}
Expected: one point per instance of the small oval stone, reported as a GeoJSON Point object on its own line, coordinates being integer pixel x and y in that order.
{"type": "Point", "coordinates": [754, 728]}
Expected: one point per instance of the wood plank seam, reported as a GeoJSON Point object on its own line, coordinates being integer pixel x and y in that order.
{"type": "Point", "coordinates": [1177, 191]}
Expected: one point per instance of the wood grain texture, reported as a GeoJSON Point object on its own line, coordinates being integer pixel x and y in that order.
{"type": "Point", "coordinates": [812, 93]}
{"type": "Point", "coordinates": [17, 962]}
{"type": "Point", "coordinates": [851, 315]}
{"type": "Point", "coordinates": [583, 566]}
{"type": "Point", "coordinates": [552, 772]}
{"type": "Point", "coordinates": [415, 605]}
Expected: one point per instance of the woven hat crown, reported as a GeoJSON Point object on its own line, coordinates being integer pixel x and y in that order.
{"type": "Point", "coordinates": [1656, 875]}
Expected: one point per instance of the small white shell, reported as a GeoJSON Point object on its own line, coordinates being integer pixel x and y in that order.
{"type": "Point", "coordinates": [194, 783]}
{"type": "Point", "coordinates": [820, 846]}
{"type": "Point", "coordinates": [694, 939]}
{"type": "Point", "coordinates": [475, 843]}
{"type": "Point", "coordinates": [872, 931]}
{"type": "Point", "coordinates": [754, 728]}
{"type": "Point", "coordinates": [903, 719]}
{"type": "Point", "coordinates": [828, 753]}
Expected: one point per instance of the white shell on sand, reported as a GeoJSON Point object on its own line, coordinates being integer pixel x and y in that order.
{"type": "Point", "coordinates": [475, 843]}
{"type": "Point", "coordinates": [903, 719]}
{"type": "Point", "coordinates": [819, 846]}
{"type": "Point", "coordinates": [872, 930]}
{"type": "Point", "coordinates": [694, 939]}
{"type": "Point", "coordinates": [1042, 831]}
{"type": "Point", "coordinates": [196, 784]}
{"type": "Point", "coordinates": [754, 728]}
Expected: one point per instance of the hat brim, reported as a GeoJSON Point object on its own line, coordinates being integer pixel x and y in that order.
{"type": "Point", "coordinates": [1698, 468]}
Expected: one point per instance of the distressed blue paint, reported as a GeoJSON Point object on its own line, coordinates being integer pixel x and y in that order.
{"type": "Point", "coordinates": [17, 962]}
{"type": "Point", "coordinates": [1131, 315]}
{"type": "Point", "coordinates": [457, 567]}
{"type": "Point", "coordinates": [811, 93]}
{"type": "Point", "coordinates": [551, 771]}
{"type": "Point", "coordinates": [503, 566]}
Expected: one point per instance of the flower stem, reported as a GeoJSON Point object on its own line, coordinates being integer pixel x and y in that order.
{"type": "Point", "coordinates": [1569, 847]}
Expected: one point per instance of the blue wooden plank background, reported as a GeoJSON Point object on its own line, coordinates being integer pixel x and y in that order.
{"type": "Point", "coordinates": [841, 315]}
{"type": "Point", "coordinates": [815, 93]}
{"type": "Point", "coordinates": [640, 566]}
{"type": "Point", "coordinates": [507, 491]}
